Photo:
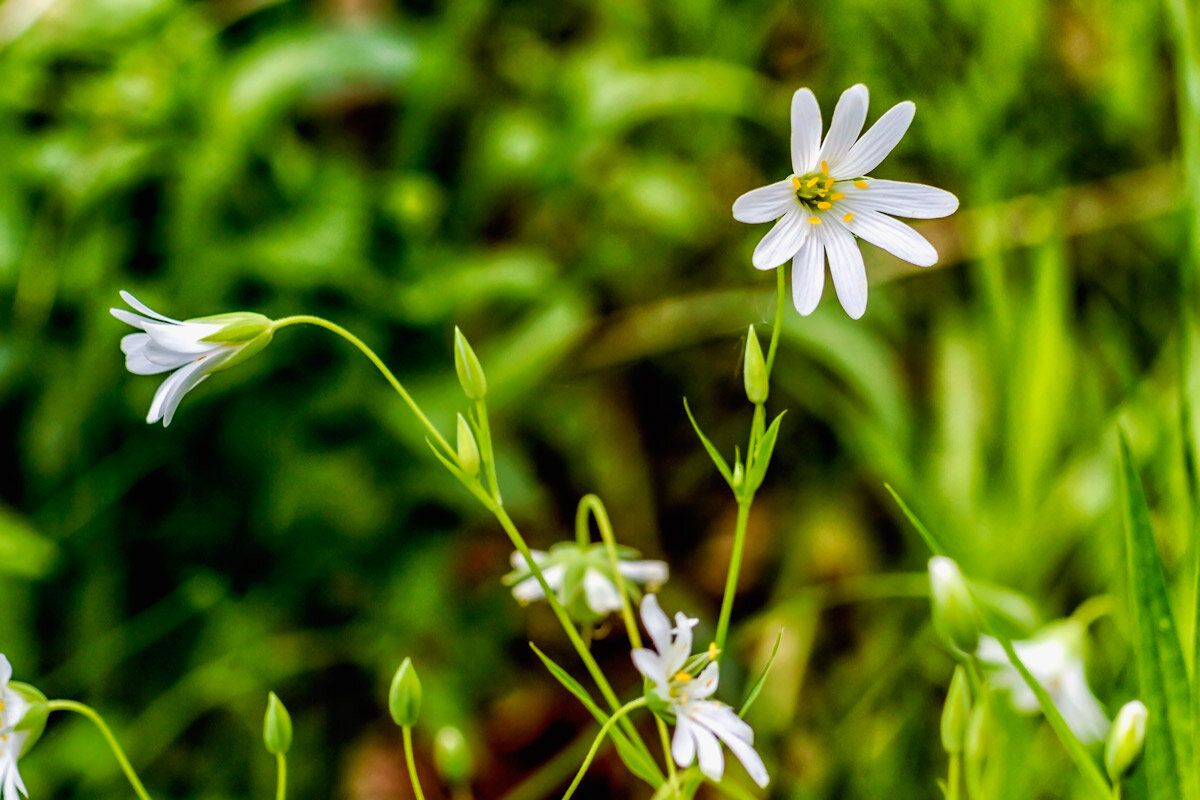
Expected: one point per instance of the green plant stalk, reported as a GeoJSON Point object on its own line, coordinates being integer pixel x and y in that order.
{"type": "Point", "coordinates": [781, 293]}
{"type": "Point", "coordinates": [280, 776]}
{"type": "Point", "coordinates": [489, 455]}
{"type": "Point", "coordinates": [735, 567]}
{"type": "Point", "coordinates": [114, 745]}
{"type": "Point", "coordinates": [952, 777]}
{"type": "Point", "coordinates": [619, 714]}
{"type": "Point", "coordinates": [411, 762]}
{"type": "Point", "coordinates": [592, 504]}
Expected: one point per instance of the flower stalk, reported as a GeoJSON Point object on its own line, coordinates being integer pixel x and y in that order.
{"type": "Point", "coordinates": [90, 713]}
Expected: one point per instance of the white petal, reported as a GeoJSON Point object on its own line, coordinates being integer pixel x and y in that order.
{"type": "Point", "coordinates": [720, 719]}
{"type": "Point", "coordinates": [5, 670]}
{"type": "Point", "coordinates": [914, 200]}
{"type": "Point", "coordinates": [806, 131]}
{"type": "Point", "coordinates": [782, 241]}
{"type": "Point", "coordinates": [892, 235]}
{"type": "Point", "coordinates": [166, 358]}
{"type": "Point", "coordinates": [705, 683]}
{"type": "Point", "coordinates": [745, 753]}
{"type": "Point", "coordinates": [708, 751]}
{"type": "Point", "coordinates": [765, 203]}
{"type": "Point", "coordinates": [876, 143]}
{"type": "Point", "coordinates": [182, 337]}
{"type": "Point", "coordinates": [172, 390]}
{"type": "Point", "coordinates": [847, 268]}
{"type": "Point", "coordinates": [649, 664]}
{"type": "Point", "coordinates": [129, 318]}
{"type": "Point", "coordinates": [656, 622]}
{"type": "Point", "coordinates": [808, 275]}
{"type": "Point", "coordinates": [654, 573]}
{"type": "Point", "coordinates": [518, 561]}
{"type": "Point", "coordinates": [601, 593]}
{"type": "Point", "coordinates": [528, 591]}
{"type": "Point", "coordinates": [139, 306]}
{"type": "Point", "coordinates": [848, 119]}
{"type": "Point", "coordinates": [683, 745]}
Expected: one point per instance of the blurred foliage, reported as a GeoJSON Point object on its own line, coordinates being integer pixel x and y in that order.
{"type": "Point", "coordinates": [556, 179]}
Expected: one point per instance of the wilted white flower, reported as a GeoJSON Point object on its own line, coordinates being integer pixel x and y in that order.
{"type": "Point", "coordinates": [582, 577]}
{"type": "Point", "coordinates": [829, 199]}
{"type": "Point", "coordinates": [194, 348]}
{"type": "Point", "coordinates": [12, 708]}
{"type": "Point", "coordinates": [699, 721]}
{"type": "Point", "coordinates": [1054, 656]}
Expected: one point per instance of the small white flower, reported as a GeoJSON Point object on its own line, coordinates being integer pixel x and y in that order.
{"type": "Point", "coordinates": [12, 708]}
{"type": "Point", "coordinates": [193, 348]}
{"type": "Point", "coordinates": [699, 721]}
{"type": "Point", "coordinates": [829, 199]}
{"type": "Point", "coordinates": [1054, 656]}
{"type": "Point", "coordinates": [582, 577]}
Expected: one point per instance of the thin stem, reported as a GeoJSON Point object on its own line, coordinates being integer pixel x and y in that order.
{"type": "Point", "coordinates": [619, 714]}
{"type": "Point", "coordinates": [489, 460]}
{"type": "Point", "coordinates": [780, 294]}
{"type": "Point", "coordinates": [1116, 791]}
{"type": "Point", "coordinates": [412, 766]}
{"type": "Point", "coordinates": [280, 776]}
{"type": "Point", "coordinates": [118, 753]}
{"type": "Point", "coordinates": [672, 778]}
{"type": "Point", "coordinates": [735, 567]}
{"type": "Point", "coordinates": [305, 319]}
{"type": "Point", "coordinates": [952, 777]}
{"type": "Point", "coordinates": [595, 506]}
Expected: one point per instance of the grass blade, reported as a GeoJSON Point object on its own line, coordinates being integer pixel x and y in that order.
{"type": "Point", "coordinates": [713, 452]}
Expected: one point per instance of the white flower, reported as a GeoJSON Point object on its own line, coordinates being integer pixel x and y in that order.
{"type": "Point", "coordinates": [699, 721]}
{"type": "Point", "coordinates": [1054, 656]}
{"type": "Point", "coordinates": [829, 199]}
{"type": "Point", "coordinates": [582, 577]}
{"type": "Point", "coordinates": [193, 348]}
{"type": "Point", "coordinates": [12, 708]}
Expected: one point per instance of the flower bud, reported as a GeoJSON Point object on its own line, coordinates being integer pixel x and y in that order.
{"type": "Point", "coordinates": [33, 721]}
{"type": "Point", "coordinates": [277, 727]}
{"type": "Point", "coordinates": [956, 713]}
{"type": "Point", "coordinates": [468, 450]}
{"type": "Point", "coordinates": [404, 698]}
{"type": "Point", "coordinates": [739, 474]}
{"type": "Point", "coordinates": [452, 756]}
{"type": "Point", "coordinates": [755, 371]}
{"type": "Point", "coordinates": [470, 371]}
{"type": "Point", "coordinates": [955, 615]}
{"type": "Point", "coordinates": [1125, 740]}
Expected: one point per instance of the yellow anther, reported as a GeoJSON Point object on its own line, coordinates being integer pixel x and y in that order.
{"type": "Point", "coordinates": [847, 218]}
{"type": "Point", "coordinates": [824, 205]}
{"type": "Point", "coordinates": [828, 183]}
{"type": "Point", "coordinates": [813, 181]}
{"type": "Point", "coordinates": [713, 651]}
{"type": "Point", "coordinates": [861, 184]}
{"type": "Point", "coordinates": [682, 677]}
{"type": "Point", "coordinates": [836, 196]}
{"type": "Point", "coordinates": [824, 167]}
{"type": "Point", "coordinates": [795, 182]}
{"type": "Point", "coordinates": [814, 220]}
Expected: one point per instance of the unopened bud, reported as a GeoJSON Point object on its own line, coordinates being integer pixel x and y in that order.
{"type": "Point", "coordinates": [404, 698]}
{"type": "Point", "coordinates": [955, 615]}
{"type": "Point", "coordinates": [470, 371]}
{"type": "Point", "coordinates": [452, 756]}
{"type": "Point", "coordinates": [1125, 740]}
{"type": "Point", "coordinates": [468, 450]}
{"type": "Point", "coordinates": [739, 474]}
{"type": "Point", "coordinates": [277, 727]}
{"type": "Point", "coordinates": [956, 714]}
{"type": "Point", "coordinates": [755, 371]}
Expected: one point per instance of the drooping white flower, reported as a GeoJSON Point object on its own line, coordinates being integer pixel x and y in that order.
{"type": "Point", "coordinates": [1054, 656]}
{"type": "Point", "coordinates": [700, 722]}
{"type": "Point", "coordinates": [12, 708]}
{"type": "Point", "coordinates": [193, 348]}
{"type": "Point", "coordinates": [583, 579]}
{"type": "Point", "coordinates": [830, 198]}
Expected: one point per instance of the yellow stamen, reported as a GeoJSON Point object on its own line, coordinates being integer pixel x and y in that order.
{"type": "Point", "coordinates": [828, 183]}
{"type": "Point", "coordinates": [861, 184]}
{"type": "Point", "coordinates": [813, 181]}
{"type": "Point", "coordinates": [814, 220]}
{"type": "Point", "coordinates": [824, 205]}
{"type": "Point", "coordinates": [713, 651]}
{"type": "Point", "coordinates": [795, 182]}
{"type": "Point", "coordinates": [847, 218]}
{"type": "Point", "coordinates": [836, 196]}
{"type": "Point", "coordinates": [824, 167]}
{"type": "Point", "coordinates": [682, 677]}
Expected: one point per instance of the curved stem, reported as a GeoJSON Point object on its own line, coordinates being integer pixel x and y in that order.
{"type": "Point", "coordinates": [306, 319]}
{"type": "Point", "coordinates": [619, 714]}
{"type": "Point", "coordinates": [780, 294]}
{"type": "Point", "coordinates": [592, 504]}
{"type": "Point", "coordinates": [280, 776]}
{"type": "Point", "coordinates": [735, 567]}
{"type": "Point", "coordinates": [412, 766]}
{"type": "Point", "coordinates": [98, 721]}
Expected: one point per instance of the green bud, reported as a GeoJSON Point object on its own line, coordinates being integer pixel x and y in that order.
{"type": "Point", "coordinates": [955, 615]}
{"type": "Point", "coordinates": [33, 721]}
{"type": "Point", "coordinates": [452, 756]}
{"type": "Point", "coordinates": [470, 371]}
{"type": "Point", "coordinates": [468, 450]}
{"type": "Point", "coordinates": [739, 474]}
{"type": "Point", "coordinates": [979, 739]}
{"type": "Point", "coordinates": [956, 713]}
{"type": "Point", "coordinates": [1126, 739]}
{"type": "Point", "coordinates": [277, 727]}
{"type": "Point", "coordinates": [755, 371]}
{"type": "Point", "coordinates": [404, 698]}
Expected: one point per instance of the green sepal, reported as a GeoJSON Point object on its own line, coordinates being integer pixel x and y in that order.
{"type": "Point", "coordinates": [763, 450]}
{"type": "Point", "coordinates": [238, 326]}
{"type": "Point", "coordinates": [247, 350]}
{"type": "Point", "coordinates": [33, 722]}
{"type": "Point", "coordinates": [277, 726]}
{"type": "Point", "coordinates": [752, 695]}
{"type": "Point", "coordinates": [713, 452]}
{"type": "Point", "coordinates": [470, 371]}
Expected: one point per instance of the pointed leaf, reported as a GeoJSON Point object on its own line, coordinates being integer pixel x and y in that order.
{"type": "Point", "coordinates": [752, 695]}
{"type": "Point", "coordinates": [713, 452]}
{"type": "Point", "coordinates": [932, 543]}
{"type": "Point", "coordinates": [764, 447]}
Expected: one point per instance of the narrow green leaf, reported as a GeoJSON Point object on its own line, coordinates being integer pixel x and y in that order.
{"type": "Point", "coordinates": [763, 448]}
{"type": "Point", "coordinates": [752, 695]}
{"type": "Point", "coordinates": [638, 762]}
{"type": "Point", "coordinates": [930, 541]}
{"type": "Point", "coordinates": [1164, 681]}
{"type": "Point", "coordinates": [713, 452]}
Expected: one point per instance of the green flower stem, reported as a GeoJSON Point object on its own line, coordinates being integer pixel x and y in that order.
{"type": "Point", "coordinates": [98, 721]}
{"type": "Point", "coordinates": [672, 778]}
{"type": "Point", "coordinates": [280, 776]}
{"type": "Point", "coordinates": [619, 714]}
{"type": "Point", "coordinates": [412, 765]}
{"type": "Point", "coordinates": [485, 444]}
{"type": "Point", "coordinates": [305, 319]}
{"type": "Point", "coordinates": [952, 777]}
{"type": "Point", "coordinates": [735, 567]}
{"type": "Point", "coordinates": [780, 294]}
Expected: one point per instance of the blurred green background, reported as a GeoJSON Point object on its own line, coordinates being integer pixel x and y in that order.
{"type": "Point", "coordinates": [556, 179]}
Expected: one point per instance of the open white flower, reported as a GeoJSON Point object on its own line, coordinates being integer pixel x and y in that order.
{"type": "Point", "coordinates": [12, 708]}
{"type": "Point", "coordinates": [1054, 656]}
{"type": "Point", "coordinates": [699, 721]}
{"type": "Point", "coordinates": [582, 577]}
{"type": "Point", "coordinates": [829, 199]}
{"type": "Point", "coordinates": [194, 349]}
